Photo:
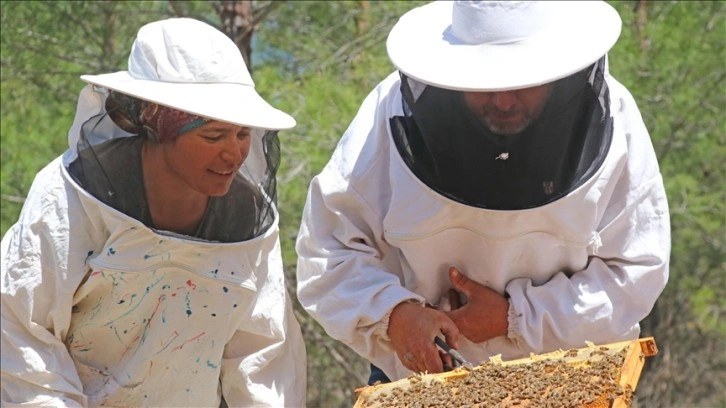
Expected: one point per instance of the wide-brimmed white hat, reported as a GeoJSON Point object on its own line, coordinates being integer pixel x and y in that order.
{"type": "Point", "coordinates": [191, 66]}
{"type": "Point", "coordinates": [501, 45]}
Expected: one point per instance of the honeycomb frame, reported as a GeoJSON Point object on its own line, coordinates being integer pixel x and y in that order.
{"type": "Point", "coordinates": [596, 376]}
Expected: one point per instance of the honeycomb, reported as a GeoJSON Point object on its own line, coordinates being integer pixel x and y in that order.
{"type": "Point", "coordinates": [591, 377]}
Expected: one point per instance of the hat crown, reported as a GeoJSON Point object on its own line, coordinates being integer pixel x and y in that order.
{"type": "Point", "coordinates": [499, 22]}
{"type": "Point", "coordinates": [188, 51]}
{"type": "Point", "coordinates": [488, 46]}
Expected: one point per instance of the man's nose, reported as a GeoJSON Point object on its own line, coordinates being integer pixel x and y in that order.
{"type": "Point", "coordinates": [504, 101]}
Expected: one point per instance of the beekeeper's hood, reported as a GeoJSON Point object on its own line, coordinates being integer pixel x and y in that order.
{"type": "Point", "coordinates": [445, 49]}
{"type": "Point", "coordinates": [194, 71]}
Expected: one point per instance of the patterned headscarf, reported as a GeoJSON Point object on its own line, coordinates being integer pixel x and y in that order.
{"type": "Point", "coordinates": [156, 122]}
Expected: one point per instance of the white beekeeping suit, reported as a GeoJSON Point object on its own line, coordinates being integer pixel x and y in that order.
{"type": "Point", "coordinates": [99, 308]}
{"type": "Point", "coordinates": [566, 219]}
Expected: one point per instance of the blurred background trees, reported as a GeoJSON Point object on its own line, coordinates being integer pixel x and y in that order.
{"type": "Point", "coordinates": [319, 59]}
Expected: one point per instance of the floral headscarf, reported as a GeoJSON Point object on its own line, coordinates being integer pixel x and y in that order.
{"type": "Point", "coordinates": [156, 122]}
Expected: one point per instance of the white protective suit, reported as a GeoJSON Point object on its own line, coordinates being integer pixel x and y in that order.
{"type": "Point", "coordinates": [98, 309]}
{"type": "Point", "coordinates": [586, 267]}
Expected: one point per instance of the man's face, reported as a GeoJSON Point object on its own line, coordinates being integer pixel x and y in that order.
{"type": "Point", "coordinates": [508, 112]}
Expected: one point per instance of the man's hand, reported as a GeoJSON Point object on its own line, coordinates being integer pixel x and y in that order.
{"type": "Point", "coordinates": [412, 329]}
{"type": "Point", "coordinates": [486, 313]}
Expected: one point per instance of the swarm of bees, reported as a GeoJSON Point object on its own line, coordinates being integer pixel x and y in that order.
{"type": "Point", "coordinates": [592, 377]}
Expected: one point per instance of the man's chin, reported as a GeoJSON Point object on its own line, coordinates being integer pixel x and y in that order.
{"type": "Point", "coordinates": [506, 129]}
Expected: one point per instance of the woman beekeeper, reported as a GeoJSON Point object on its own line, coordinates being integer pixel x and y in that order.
{"type": "Point", "coordinates": [145, 268]}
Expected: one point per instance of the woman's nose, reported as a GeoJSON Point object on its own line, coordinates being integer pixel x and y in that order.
{"type": "Point", "coordinates": [233, 150]}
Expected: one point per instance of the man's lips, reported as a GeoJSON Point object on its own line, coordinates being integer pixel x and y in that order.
{"type": "Point", "coordinates": [505, 116]}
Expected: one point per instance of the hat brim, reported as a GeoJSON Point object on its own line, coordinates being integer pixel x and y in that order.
{"type": "Point", "coordinates": [226, 102]}
{"type": "Point", "coordinates": [421, 45]}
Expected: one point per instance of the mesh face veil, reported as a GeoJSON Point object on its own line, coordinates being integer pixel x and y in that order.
{"type": "Point", "coordinates": [457, 153]}
{"type": "Point", "coordinates": [109, 166]}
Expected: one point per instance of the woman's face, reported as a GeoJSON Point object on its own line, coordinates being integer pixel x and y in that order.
{"type": "Point", "coordinates": [206, 159]}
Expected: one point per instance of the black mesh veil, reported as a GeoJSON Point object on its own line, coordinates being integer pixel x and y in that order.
{"type": "Point", "coordinates": [455, 153]}
{"type": "Point", "coordinates": [108, 165]}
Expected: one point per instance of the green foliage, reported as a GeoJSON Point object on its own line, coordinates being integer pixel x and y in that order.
{"type": "Point", "coordinates": [44, 48]}
{"type": "Point", "coordinates": [674, 64]}
{"type": "Point", "coordinates": [28, 143]}
{"type": "Point", "coordinates": [671, 57]}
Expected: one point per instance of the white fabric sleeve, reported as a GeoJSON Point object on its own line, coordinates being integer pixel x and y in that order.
{"type": "Point", "coordinates": [36, 297]}
{"type": "Point", "coordinates": [264, 364]}
{"type": "Point", "coordinates": [627, 270]}
{"type": "Point", "coordinates": [346, 279]}
{"type": "Point", "coordinates": [342, 281]}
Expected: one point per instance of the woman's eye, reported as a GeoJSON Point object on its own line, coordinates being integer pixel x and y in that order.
{"type": "Point", "coordinates": [212, 138]}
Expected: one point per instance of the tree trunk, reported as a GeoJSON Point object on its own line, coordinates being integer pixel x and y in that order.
{"type": "Point", "coordinates": [641, 10]}
{"type": "Point", "coordinates": [363, 20]}
{"type": "Point", "coordinates": [239, 24]}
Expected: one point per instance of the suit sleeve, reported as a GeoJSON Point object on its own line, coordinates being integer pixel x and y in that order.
{"type": "Point", "coordinates": [628, 268]}
{"type": "Point", "coordinates": [36, 297]}
{"type": "Point", "coordinates": [264, 364]}
{"type": "Point", "coordinates": [349, 278]}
